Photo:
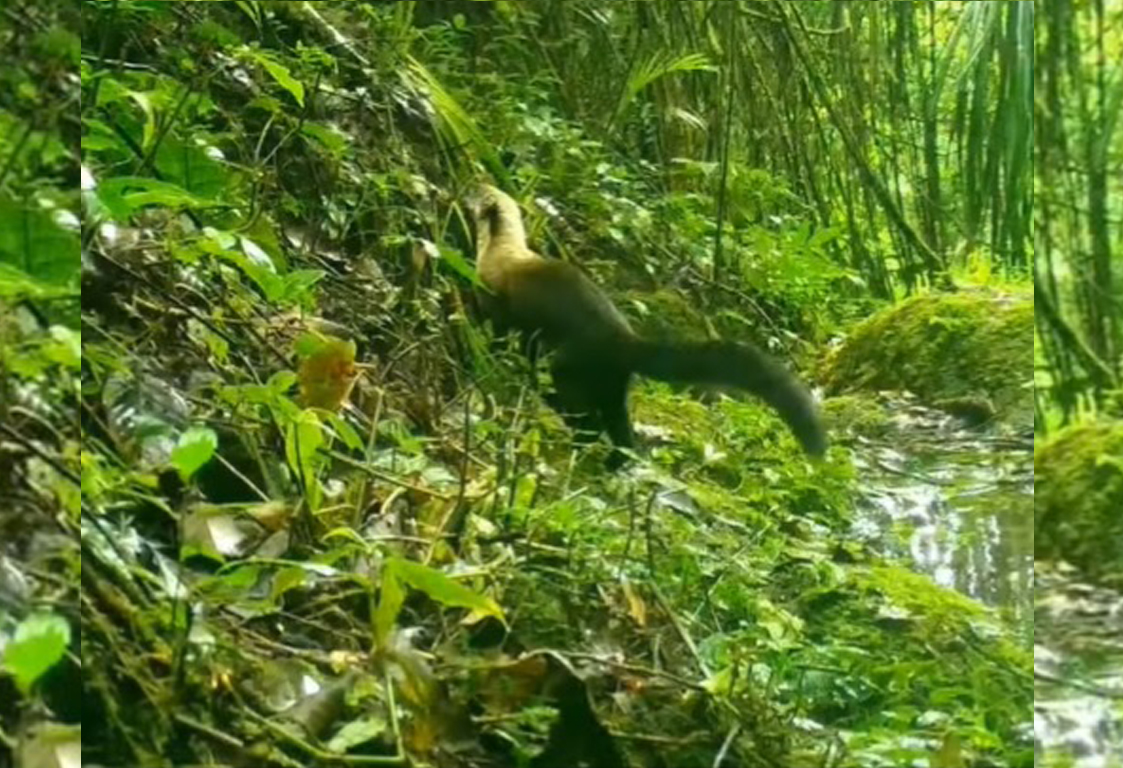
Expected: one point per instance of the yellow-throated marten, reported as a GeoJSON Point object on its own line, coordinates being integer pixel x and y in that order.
{"type": "Point", "coordinates": [596, 351]}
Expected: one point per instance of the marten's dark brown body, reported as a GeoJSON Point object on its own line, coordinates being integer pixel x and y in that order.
{"type": "Point", "coordinates": [597, 352]}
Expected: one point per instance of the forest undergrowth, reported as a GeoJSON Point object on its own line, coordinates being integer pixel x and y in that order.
{"type": "Point", "coordinates": [325, 519]}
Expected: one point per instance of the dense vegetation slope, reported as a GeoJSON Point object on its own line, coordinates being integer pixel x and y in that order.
{"type": "Point", "coordinates": [323, 517]}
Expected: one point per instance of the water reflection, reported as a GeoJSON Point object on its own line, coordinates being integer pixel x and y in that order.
{"type": "Point", "coordinates": [959, 506]}
{"type": "Point", "coordinates": [1078, 671]}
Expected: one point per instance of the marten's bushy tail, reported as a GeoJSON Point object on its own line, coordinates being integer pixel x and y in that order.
{"type": "Point", "coordinates": [732, 364]}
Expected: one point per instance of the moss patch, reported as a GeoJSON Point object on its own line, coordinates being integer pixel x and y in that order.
{"type": "Point", "coordinates": [1078, 499]}
{"type": "Point", "coordinates": [975, 345]}
{"type": "Point", "coordinates": [858, 414]}
{"type": "Point", "coordinates": [907, 650]}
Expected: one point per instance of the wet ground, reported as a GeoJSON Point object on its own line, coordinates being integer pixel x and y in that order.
{"type": "Point", "coordinates": [958, 504]}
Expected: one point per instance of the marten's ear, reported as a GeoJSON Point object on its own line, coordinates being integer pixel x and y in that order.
{"type": "Point", "coordinates": [475, 200]}
{"type": "Point", "coordinates": [483, 203]}
{"type": "Point", "coordinates": [489, 216]}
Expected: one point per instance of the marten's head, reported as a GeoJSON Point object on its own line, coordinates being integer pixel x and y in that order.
{"type": "Point", "coordinates": [496, 214]}
{"type": "Point", "coordinates": [501, 245]}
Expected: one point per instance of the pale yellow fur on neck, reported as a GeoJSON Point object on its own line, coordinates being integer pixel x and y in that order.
{"type": "Point", "coordinates": [500, 238]}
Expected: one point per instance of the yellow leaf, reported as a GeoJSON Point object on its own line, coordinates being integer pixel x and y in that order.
{"type": "Point", "coordinates": [327, 375]}
{"type": "Point", "coordinates": [637, 608]}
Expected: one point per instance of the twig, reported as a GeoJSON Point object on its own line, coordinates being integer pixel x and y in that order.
{"type": "Point", "coordinates": [22, 20]}
{"type": "Point", "coordinates": [1095, 690]}
{"type": "Point", "coordinates": [726, 745]}
{"type": "Point", "coordinates": [743, 296]}
{"type": "Point", "coordinates": [336, 36]}
{"type": "Point", "coordinates": [650, 738]}
{"type": "Point", "coordinates": [392, 706]}
{"type": "Point", "coordinates": [454, 519]}
{"type": "Point", "coordinates": [383, 476]}
{"type": "Point", "coordinates": [631, 529]}
{"type": "Point", "coordinates": [622, 666]}
{"type": "Point", "coordinates": [130, 66]}
{"type": "Point", "coordinates": [209, 731]}
{"type": "Point", "coordinates": [206, 321]}
{"type": "Point", "coordinates": [319, 754]}
{"type": "Point", "coordinates": [55, 463]}
{"type": "Point", "coordinates": [16, 150]}
{"type": "Point", "coordinates": [918, 477]}
{"type": "Point", "coordinates": [249, 483]}
{"type": "Point", "coordinates": [687, 640]}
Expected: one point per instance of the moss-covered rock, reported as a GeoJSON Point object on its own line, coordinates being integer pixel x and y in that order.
{"type": "Point", "coordinates": [1078, 499]}
{"type": "Point", "coordinates": [975, 346]}
{"type": "Point", "coordinates": [858, 414]}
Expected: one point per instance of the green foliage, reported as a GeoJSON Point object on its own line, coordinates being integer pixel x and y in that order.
{"type": "Point", "coordinates": [39, 642]}
{"type": "Point", "coordinates": [304, 437]}
{"type": "Point", "coordinates": [458, 127]}
{"type": "Point", "coordinates": [397, 574]}
{"type": "Point", "coordinates": [195, 448]}
{"type": "Point", "coordinates": [857, 413]}
{"type": "Point", "coordinates": [278, 71]}
{"type": "Point", "coordinates": [661, 64]}
{"type": "Point", "coordinates": [38, 254]}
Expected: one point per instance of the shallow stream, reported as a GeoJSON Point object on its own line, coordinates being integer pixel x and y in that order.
{"type": "Point", "coordinates": [958, 504]}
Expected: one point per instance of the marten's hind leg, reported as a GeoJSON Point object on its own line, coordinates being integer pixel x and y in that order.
{"type": "Point", "coordinates": [574, 395]}
{"type": "Point", "coordinates": [612, 402]}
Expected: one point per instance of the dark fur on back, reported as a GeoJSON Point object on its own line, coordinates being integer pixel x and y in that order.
{"type": "Point", "coordinates": [597, 353]}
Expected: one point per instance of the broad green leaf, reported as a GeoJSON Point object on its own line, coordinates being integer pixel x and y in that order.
{"type": "Point", "coordinates": [390, 600]}
{"type": "Point", "coordinates": [461, 266]}
{"type": "Point", "coordinates": [15, 284]}
{"type": "Point", "coordinates": [150, 128]}
{"type": "Point", "coordinates": [39, 643]}
{"type": "Point", "coordinates": [195, 448]}
{"type": "Point", "coordinates": [216, 535]}
{"type": "Point", "coordinates": [308, 344]}
{"type": "Point", "coordinates": [285, 580]}
{"type": "Point", "coordinates": [329, 137]}
{"type": "Point", "coordinates": [445, 590]}
{"type": "Point", "coordinates": [60, 45]}
{"type": "Point", "coordinates": [193, 168]}
{"type": "Point", "coordinates": [33, 243]}
{"type": "Point", "coordinates": [51, 745]}
{"type": "Point", "coordinates": [296, 286]}
{"type": "Point", "coordinates": [357, 732]}
{"type": "Point", "coordinates": [65, 347]}
{"type": "Point", "coordinates": [345, 432]}
{"type": "Point", "coordinates": [257, 254]}
{"type": "Point", "coordinates": [125, 194]}
{"type": "Point", "coordinates": [281, 74]}
{"type": "Point", "coordinates": [303, 439]}
{"type": "Point", "coordinates": [281, 382]}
